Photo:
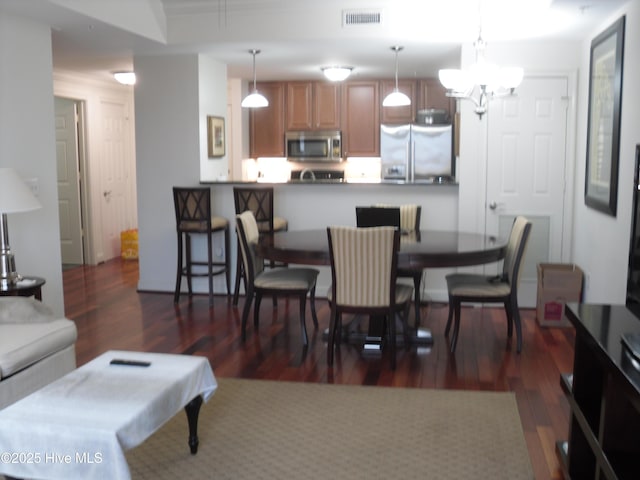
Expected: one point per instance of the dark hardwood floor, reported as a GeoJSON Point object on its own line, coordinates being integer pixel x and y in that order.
{"type": "Point", "coordinates": [111, 314]}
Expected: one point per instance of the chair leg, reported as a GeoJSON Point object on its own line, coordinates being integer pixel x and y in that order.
{"type": "Point", "coordinates": [449, 318]}
{"type": "Point", "coordinates": [331, 340]}
{"type": "Point", "coordinates": [210, 267]}
{"type": "Point", "coordinates": [391, 321]}
{"type": "Point", "coordinates": [405, 327]}
{"type": "Point", "coordinates": [508, 312]}
{"type": "Point", "coordinates": [227, 259]}
{"type": "Point", "coordinates": [239, 275]}
{"type": "Point", "coordinates": [188, 263]}
{"type": "Point", "coordinates": [314, 317]}
{"type": "Point", "coordinates": [417, 279]}
{"type": "Point", "coordinates": [303, 326]}
{"type": "Point", "coordinates": [515, 312]}
{"type": "Point", "coordinates": [456, 327]}
{"type": "Point", "coordinates": [176, 293]}
{"type": "Point", "coordinates": [256, 309]}
{"type": "Point", "coordinates": [245, 313]}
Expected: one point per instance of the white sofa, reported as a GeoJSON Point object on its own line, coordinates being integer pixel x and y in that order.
{"type": "Point", "coordinates": [36, 347]}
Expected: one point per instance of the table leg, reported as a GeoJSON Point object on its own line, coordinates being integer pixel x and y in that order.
{"type": "Point", "coordinates": [193, 410]}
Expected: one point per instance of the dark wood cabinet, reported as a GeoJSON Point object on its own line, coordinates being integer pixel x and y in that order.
{"type": "Point", "coordinates": [267, 125]}
{"type": "Point", "coordinates": [400, 115]}
{"type": "Point", "coordinates": [313, 106]}
{"type": "Point", "coordinates": [604, 395]}
{"type": "Point", "coordinates": [431, 94]}
{"type": "Point", "coordinates": [361, 119]}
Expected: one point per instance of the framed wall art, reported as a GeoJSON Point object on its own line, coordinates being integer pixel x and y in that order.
{"type": "Point", "coordinates": [603, 130]}
{"type": "Point", "coordinates": [215, 136]}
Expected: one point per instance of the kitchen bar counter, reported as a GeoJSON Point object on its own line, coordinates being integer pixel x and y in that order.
{"type": "Point", "coordinates": [330, 182]}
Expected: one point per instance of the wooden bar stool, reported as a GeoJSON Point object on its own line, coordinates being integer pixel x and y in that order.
{"type": "Point", "coordinates": [259, 201]}
{"type": "Point", "coordinates": [193, 217]}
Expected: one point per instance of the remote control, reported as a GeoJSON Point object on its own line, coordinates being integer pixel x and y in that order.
{"type": "Point", "coordinates": [129, 363]}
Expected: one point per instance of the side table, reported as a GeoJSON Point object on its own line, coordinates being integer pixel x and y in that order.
{"type": "Point", "coordinates": [27, 287]}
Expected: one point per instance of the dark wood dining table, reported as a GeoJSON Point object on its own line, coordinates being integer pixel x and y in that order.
{"type": "Point", "coordinates": [426, 249]}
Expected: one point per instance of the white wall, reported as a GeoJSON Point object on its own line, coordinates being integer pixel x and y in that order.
{"type": "Point", "coordinates": [601, 242]}
{"type": "Point", "coordinates": [169, 149]}
{"type": "Point", "coordinates": [27, 143]}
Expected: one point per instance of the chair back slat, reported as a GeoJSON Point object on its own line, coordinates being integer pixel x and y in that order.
{"type": "Point", "coordinates": [516, 247]}
{"type": "Point", "coordinates": [409, 216]}
{"type": "Point", "coordinates": [247, 230]}
{"type": "Point", "coordinates": [363, 265]}
{"type": "Point", "coordinates": [259, 201]}
{"type": "Point", "coordinates": [192, 207]}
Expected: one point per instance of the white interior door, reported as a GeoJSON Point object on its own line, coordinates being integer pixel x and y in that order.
{"type": "Point", "coordinates": [119, 210]}
{"type": "Point", "coordinates": [68, 169]}
{"type": "Point", "coordinates": [527, 145]}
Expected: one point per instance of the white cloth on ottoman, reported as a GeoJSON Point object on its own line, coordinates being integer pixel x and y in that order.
{"type": "Point", "coordinates": [80, 425]}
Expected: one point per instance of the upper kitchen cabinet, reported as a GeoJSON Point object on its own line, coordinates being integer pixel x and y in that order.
{"type": "Point", "coordinates": [267, 125]}
{"type": "Point", "coordinates": [431, 94]}
{"type": "Point", "coordinates": [361, 119]}
{"type": "Point", "coordinates": [404, 114]}
{"type": "Point", "coordinates": [313, 106]}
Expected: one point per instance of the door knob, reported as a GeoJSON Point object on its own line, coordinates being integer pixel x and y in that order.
{"type": "Point", "coordinates": [106, 193]}
{"type": "Point", "coordinates": [495, 205]}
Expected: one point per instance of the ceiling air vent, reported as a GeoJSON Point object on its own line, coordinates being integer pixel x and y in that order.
{"type": "Point", "coordinates": [361, 17]}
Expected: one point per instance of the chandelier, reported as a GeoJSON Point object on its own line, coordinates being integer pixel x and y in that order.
{"type": "Point", "coordinates": [482, 82]}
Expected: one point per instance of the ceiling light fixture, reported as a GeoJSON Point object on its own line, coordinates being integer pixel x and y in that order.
{"type": "Point", "coordinates": [337, 73]}
{"type": "Point", "coordinates": [396, 98]}
{"type": "Point", "coordinates": [125, 78]}
{"type": "Point", "coordinates": [254, 99]}
{"type": "Point", "coordinates": [483, 81]}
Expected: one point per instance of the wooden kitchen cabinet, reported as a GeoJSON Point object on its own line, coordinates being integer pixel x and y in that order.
{"type": "Point", "coordinates": [431, 94]}
{"type": "Point", "coordinates": [404, 114]}
{"type": "Point", "coordinates": [361, 119]}
{"type": "Point", "coordinates": [313, 106]}
{"type": "Point", "coordinates": [267, 125]}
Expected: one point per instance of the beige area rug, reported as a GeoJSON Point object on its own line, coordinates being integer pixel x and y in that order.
{"type": "Point", "coordinates": [256, 429]}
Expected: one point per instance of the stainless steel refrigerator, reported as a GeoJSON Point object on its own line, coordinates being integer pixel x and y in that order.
{"type": "Point", "coordinates": [416, 153]}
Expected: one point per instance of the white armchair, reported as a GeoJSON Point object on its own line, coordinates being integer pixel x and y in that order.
{"type": "Point", "coordinates": [36, 347]}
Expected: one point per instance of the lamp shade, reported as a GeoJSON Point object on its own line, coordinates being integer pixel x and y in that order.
{"type": "Point", "coordinates": [255, 100]}
{"type": "Point", "coordinates": [15, 195]}
{"type": "Point", "coordinates": [396, 99]}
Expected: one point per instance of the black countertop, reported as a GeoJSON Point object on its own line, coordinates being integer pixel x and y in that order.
{"type": "Point", "coordinates": [604, 327]}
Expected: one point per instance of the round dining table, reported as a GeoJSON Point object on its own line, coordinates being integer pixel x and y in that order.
{"type": "Point", "coordinates": [419, 250]}
{"type": "Point", "coordinates": [426, 249]}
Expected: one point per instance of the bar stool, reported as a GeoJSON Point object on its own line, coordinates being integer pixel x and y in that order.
{"type": "Point", "coordinates": [259, 201]}
{"type": "Point", "coordinates": [193, 216]}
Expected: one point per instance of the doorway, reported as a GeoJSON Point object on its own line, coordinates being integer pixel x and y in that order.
{"type": "Point", "coordinates": [527, 170]}
{"type": "Point", "coordinates": [70, 148]}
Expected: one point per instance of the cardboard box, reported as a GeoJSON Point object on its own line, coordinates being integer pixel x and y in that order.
{"type": "Point", "coordinates": [557, 284]}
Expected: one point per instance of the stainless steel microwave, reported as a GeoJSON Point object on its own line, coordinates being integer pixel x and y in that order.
{"type": "Point", "coordinates": [314, 146]}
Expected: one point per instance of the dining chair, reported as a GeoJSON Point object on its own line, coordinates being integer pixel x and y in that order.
{"type": "Point", "coordinates": [259, 201]}
{"type": "Point", "coordinates": [363, 281]}
{"type": "Point", "coordinates": [276, 281]}
{"type": "Point", "coordinates": [469, 287]}
{"type": "Point", "coordinates": [409, 223]}
{"type": "Point", "coordinates": [192, 207]}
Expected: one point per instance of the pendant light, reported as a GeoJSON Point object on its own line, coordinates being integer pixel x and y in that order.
{"type": "Point", "coordinates": [254, 99]}
{"type": "Point", "coordinates": [396, 98]}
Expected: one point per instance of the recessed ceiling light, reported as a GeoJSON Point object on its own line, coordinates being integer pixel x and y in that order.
{"type": "Point", "coordinates": [125, 78]}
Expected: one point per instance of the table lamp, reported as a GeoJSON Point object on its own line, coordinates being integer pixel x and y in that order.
{"type": "Point", "coordinates": [15, 196]}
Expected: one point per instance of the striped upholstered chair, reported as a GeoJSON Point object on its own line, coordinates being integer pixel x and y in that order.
{"type": "Point", "coordinates": [469, 287]}
{"type": "Point", "coordinates": [276, 281]}
{"type": "Point", "coordinates": [363, 280]}
{"type": "Point", "coordinates": [410, 215]}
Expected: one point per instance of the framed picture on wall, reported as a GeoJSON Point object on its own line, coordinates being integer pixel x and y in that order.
{"type": "Point", "coordinates": [603, 131]}
{"type": "Point", "coordinates": [215, 136]}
